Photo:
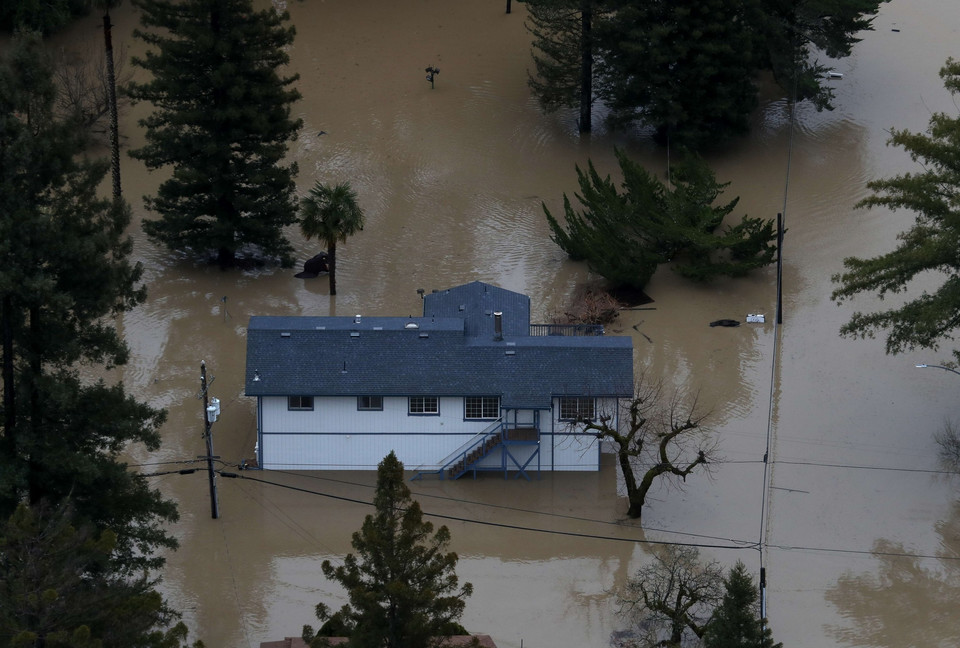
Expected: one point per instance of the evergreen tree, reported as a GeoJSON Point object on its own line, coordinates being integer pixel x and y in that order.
{"type": "Point", "coordinates": [222, 122]}
{"type": "Point", "coordinates": [625, 236]}
{"type": "Point", "coordinates": [564, 50]}
{"type": "Point", "coordinates": [685, 68]}
{"type": "Point", "coordinates": [735, 623]}
{"type": "Point", "coordinates": [789, 34]}
{"type": "Point", "coordinates": [331, 214]}
{"type": "Point", "coordinates": [57, 588]}
{"type": "Point", "coordinates": [44, 16]}
{"type": "Point", "coordinates": [688, 68]}
{"type": "Point", "coordinates": [928, 248]}
{"type": "Point", "coordinates": [401, 584]}
{"type": "Point", "coordinates": [65, 274]}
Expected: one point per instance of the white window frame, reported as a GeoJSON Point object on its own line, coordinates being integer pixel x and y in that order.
{"type": "Point", "coordinates": [485, 408]}
{"type": "Point", "coordinates": [577, 408]}
{"type": "Point", "coordinates": [423, 406]}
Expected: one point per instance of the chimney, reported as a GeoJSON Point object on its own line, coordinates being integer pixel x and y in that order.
{"type": "Point", "coordinates": [498, 326]}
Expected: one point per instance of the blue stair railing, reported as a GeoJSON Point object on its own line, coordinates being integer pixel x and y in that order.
{"type": "Point", "coordinates": [478, 443]}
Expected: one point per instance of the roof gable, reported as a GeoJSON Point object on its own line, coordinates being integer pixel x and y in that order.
{"type": "Point", "coordinates": [475, 303]}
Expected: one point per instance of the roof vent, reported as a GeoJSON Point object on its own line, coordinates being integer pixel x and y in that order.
{"type": "Point", "coordinates": [356, 319]}
{"type": "Point", "coordinates": [424, 334]}
{"type": "Point", "coordinates": [510, 353]}
{"type": "Point", "coordinates": [354, 333]}
{"type": "Point", "coordinates": [498, 326]}
{"type": "Point", "coordinates": [411, 325]}
{"type": "Point", "coordinates": [284, 335]}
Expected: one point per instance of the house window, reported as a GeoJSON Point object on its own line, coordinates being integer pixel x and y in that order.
{"type": "Point", "coordinates": [300, 403]}
{"type": "Point", "coordinates": [481, 407]}
{"type": "Point", "coordinates": [576, 408]}
{"type": "Point", "coordinates": [369, 403]}
{"type": "Point", "coordinates": [424, 405]}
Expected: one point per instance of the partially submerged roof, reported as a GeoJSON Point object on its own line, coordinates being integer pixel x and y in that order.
{"type": "Point", "coordinates": [436, 355]}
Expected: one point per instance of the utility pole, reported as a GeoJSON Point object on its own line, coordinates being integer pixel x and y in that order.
{"type": "Point", "coordinates": [210, 414]}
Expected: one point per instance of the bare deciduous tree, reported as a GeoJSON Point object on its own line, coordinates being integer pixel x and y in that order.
{"type": "Point", "coordinates": [656, 435]}
{"type": "Point", "coordinates": [948, 442]}
{"type": "Point", "coordinates": [84, 84]}
{"type": "Point", "coordinates": [670, 601]}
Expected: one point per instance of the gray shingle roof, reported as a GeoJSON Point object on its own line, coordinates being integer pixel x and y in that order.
{"type": "Point", "coordinates": [476, 303]}
{"type": "Point", "coordinates": [388, 356]}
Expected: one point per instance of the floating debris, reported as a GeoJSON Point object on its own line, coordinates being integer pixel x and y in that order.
{"type": "Point", "coordinates": [725, 322]}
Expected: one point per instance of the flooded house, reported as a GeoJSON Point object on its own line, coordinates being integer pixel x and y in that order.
{"type": "Point", "coordinates": [469, 386]}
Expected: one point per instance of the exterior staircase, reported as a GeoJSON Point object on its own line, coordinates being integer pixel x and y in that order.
{"type": "Point", "coordinates": [468, 457]}
{"type": "Point", "coordinates": [469, 461]}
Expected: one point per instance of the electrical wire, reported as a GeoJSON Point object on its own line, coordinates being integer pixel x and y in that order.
{"type": "Point", "coordinates": [516, 509]}
{"type": "Point", "coordinates": [739, 544]}
{"type": "Point", "coordinates": [734, 544]}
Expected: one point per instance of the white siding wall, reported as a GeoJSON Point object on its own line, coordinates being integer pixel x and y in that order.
{"type": "Point", "coordinates": [336, 436]}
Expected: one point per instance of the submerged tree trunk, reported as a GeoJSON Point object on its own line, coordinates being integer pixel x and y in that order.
{"type": "Point", "coordinates": [38, 444]}
{"type": "Point", "coordinates": [9, 394]}
{"type": "Point", "coordinates": [635, 496]}
{"type": "Point", "coordinates": [332, 264]}
{"type": "Point", "coordinates": [112, 95]}
{"type": "Point", "coordinates": [586, 66]}
{"type": "Point", "coordinates": [225, 258]}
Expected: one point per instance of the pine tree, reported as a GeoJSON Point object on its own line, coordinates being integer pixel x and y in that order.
{"type": "Point", "coordinates": [65, 274]}
{"type": "Point", "coordinates": [735, 623]}
{"type": "Point", "coordinates": [222, 122]}
{"type": "Point", "coordinates": [58, 588]}
{"type": "Point", "coordinates": [929, 247]}
{"type": "Point", "coordinates": [564, 50]}
{"type": "Point", "coordinates": [401, 583]}
{"type": "Point", "coordinates": [625, 235]}
{"type": "Point", "coordinates": [790, 33]}
{"type": "Point", "coordinates": [685, 68]}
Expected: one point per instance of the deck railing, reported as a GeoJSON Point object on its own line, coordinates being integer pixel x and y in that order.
{"type": "Point", "coordinates": [537, 330]}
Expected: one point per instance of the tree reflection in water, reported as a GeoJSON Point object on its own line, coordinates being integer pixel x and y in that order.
{"type": "Point", "coordinates": [909, 600]}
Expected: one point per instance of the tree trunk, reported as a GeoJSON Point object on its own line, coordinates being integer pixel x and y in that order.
{"type": "Point", "coordinates": [225, 258]}
{"type": "Point", "coordinates": [35, 473]}
{"type": "Point", "coordinates": [332, 263]}
{"type": "Point", "coordinates": [9, 393]}
{"type": "Point", "coordinates": [112, 90]}
{"type": "Point", "coordinates": [634, 495]}
{"type": "Point", "coordinates": [586, 66]}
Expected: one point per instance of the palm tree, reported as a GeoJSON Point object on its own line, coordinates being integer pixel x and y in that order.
{"type": "Point", "coordinates": [331, 214]}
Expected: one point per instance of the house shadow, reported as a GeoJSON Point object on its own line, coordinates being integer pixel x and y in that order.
{"type": "Point", "coordinates": [908, 600]}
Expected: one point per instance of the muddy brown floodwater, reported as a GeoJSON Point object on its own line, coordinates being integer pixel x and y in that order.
{"type": "Point", "coordinates": [452, 179]}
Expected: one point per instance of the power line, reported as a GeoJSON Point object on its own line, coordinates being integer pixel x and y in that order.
{"type": "Point", "coordinates": [163, 463]}
{"type": "Point", "coordinates": [741, 544]}
{"type": "Point", "coordinates": [503, 525]}
{"type": "Point", "coordinates": [517, 509]}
